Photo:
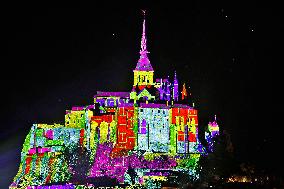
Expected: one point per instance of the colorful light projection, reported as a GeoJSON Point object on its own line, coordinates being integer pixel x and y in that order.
{"type": "Point", "coordinates": [211, 133]}
{"type": "Point", "coordinates": [132, 138]}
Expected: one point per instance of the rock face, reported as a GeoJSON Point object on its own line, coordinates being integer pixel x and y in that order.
{"type": "Point", "coordinates": [140, 137]}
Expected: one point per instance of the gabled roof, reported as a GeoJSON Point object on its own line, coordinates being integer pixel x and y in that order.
{"type": "Point", "coordinates": [150, 88]}
{"type": "Point", "coordinates": [109, 94]}
{"type": "Point", "coordinates": [154, 105]}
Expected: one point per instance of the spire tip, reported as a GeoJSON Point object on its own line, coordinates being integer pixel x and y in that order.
{"type": "Point", "coordinates": [143, 12]}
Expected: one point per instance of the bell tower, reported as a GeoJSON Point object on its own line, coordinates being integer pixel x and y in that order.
{"type": "Point", "coordinates": [143, 73]}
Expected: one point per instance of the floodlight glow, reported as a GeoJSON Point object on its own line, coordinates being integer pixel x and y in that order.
{"type": "Point", "coordinates": [142, 137]}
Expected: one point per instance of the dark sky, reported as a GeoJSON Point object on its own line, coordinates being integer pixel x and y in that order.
{"type": "Point", "coordinates": [55, 58]}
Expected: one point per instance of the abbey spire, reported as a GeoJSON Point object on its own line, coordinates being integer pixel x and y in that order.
{"type": "Point", "coordinates": [143, 39]}
{"type": "Point", "coordinates": [143, 63]}
{"type": "Point", "coordinates": [143, 73]}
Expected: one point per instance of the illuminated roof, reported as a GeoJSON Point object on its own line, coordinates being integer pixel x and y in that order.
{"type": "Point", "coordinates": [115, 94]}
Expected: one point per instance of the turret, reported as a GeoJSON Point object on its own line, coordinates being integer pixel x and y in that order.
{"type": "Point", "coordinates": [211, 132]}
{"type": "Point", "coordinates": [183, 92]}
{"type": "Point", "coordinates": [175, 92]}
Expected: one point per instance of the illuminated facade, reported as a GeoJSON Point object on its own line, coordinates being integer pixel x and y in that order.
{"type": "Point", "coordinates": [148, 130]}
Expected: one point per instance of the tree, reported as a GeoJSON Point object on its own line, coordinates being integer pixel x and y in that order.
{"type": "Point", "coordinates": [220, 163]}
{"type": "Point", "coordinates": [133, 175]}
{"type": "Point", "coordinates": [79, 163]}
{"type": "Point", "coordinates": [152, 184]}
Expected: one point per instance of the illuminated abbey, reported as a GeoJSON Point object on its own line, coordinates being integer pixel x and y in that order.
{"type": "Point", "coordinates": [135, 138]}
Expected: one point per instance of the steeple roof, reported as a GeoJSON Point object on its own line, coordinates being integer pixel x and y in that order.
{"type": "Point", "coordinates": [175, 78]}
{"type": "Point", "coordinates": [143, 63]}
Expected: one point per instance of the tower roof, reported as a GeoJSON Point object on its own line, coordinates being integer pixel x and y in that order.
{"type": "Point", "coordinates": [143, 63]}
{"type": "Point", "coordinates": [175, 78]}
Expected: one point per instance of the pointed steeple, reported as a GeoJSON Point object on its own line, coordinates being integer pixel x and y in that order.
{"type": "Point", "coordinates": [143, 63]}
{"type": "Point", "coordinates": [175, 78]}
{"type": "Point", "coordinates": [143, 39]}
{"type": "Point", "coordinates": [175, 87]}
{"type": "Point", "coordinates": [183, 92]}
{"type": "Point", "coordinates": [215, 120]}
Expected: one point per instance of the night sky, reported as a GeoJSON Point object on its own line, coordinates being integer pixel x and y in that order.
{"type": "Point", "coordinates": [56, 58]}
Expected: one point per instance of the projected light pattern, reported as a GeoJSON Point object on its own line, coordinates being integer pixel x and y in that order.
{"type": "Point", "coordinates": [138, 138]}
{"type": "Point", "coordinates": [211, 132]}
